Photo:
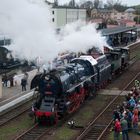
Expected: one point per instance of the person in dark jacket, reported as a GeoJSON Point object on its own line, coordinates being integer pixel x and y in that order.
{"type": "Point", "coordinates": [23, 84]}
{"type": "Point", "coordinates": [129, 118]}
{"type": "Point", "coordinates": [116, 115]}
{"type": "Point", "coordinates": [124, 126]}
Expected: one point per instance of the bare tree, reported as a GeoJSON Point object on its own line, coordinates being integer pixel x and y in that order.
{"type": "Point", "coordinates": [72, 3]}
{"type": "Point", "coordinates": [88, 4]}
{"type": "Point", "coordinates": [112, 3]}
{"type": "Point", "coordinates": [96, 4]}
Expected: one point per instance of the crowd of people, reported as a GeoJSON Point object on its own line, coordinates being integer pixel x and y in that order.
{"type": "Point", "coordinates": [10, 81]}
{"type": "Point", "coordinates": [118, 40]}
{"type": "Point", "coordinates": [127, 115]}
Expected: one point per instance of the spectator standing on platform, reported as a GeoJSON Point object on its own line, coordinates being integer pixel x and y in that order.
{"type": "Point", "coordinates": [117, 129]}
{"type": "Point", "coordinates": [5, 80]}
{"type": "Point", "coordinates": [124, 126]}
{"type": "Point", "coordinates": [129, 118]}
{"type": "Point", "coordinates": [116, 115]}
{"type": "Point", "coordinates": [135, 120]}
{"type": "Point", "coordinates": [132, 103]}
{"type": "Point", "coordinates": [23, 84]}
{"type": "Point", "coordinates": [26, 77]}
{"type": "Point", "coordinates": [8, 83]}
{"type": "Point", "coordinates": [138, 106]}
{"type": "Point", "coordinates": [11, 81]}
{"type": "Point", "coordinates": [15, 80]}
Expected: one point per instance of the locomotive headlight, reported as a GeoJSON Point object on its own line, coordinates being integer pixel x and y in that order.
{"type": "Point", "coordinates": [68, 103]}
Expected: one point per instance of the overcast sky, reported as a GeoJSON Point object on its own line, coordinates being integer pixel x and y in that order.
{"type": "Point", "coordinates": [127, 2]}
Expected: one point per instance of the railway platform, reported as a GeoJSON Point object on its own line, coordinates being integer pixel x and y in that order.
{"type": "Point", "coordinates": [113, 92]}
{"type": "Point", "coordinates": [11, 93]}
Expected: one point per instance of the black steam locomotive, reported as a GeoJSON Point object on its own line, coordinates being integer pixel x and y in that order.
{"type": "Point", "coordinates": [63, 90]}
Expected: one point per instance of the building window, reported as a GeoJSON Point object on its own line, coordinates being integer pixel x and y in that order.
{"type": "Point", "coordinates": [52, 19]}
{"type": "Point", "coordinates": [53, 12]}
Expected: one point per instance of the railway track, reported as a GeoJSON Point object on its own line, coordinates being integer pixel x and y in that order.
{"type": "Point", "coordinates": [14, 113]}
{"type": "Point", "coordinates": [97, 129]}
{"type": "Point", "coordinates": [40, 130]}
{"type": "Point", "coordinates": [134, 46]}
{"type": "Point", "coordinates": [94, 131]}
{"type": "Point", "coordinates": [34, 133]}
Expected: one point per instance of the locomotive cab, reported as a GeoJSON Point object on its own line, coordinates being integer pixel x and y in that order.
{"type": "Point", "coordinates": [125, 56]}
{"type": "Point", "coordinates": [115, 60]}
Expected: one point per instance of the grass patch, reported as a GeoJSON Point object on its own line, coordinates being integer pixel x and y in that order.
{"type": "Point", "coordinates": [81, 118]}
{"type": "Point", "coordinates": [12, 129]}
{"type": "Point", "coordinates": [138, 54]}
{"type": "Point", "coordinates": [64, 133]}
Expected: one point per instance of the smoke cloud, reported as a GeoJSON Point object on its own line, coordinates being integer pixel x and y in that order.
{"type": "Point", "coordinates": [28, 22]}
{"type": "Point", "coordinates": [80, 37]}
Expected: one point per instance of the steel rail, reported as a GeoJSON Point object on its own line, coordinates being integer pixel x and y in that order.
{"type": "Point", "coordinates": [91, 124]}
{"type": "Point", "coordinates": [4, 119]}
{"type": "Point", "coordinates": [15, 112]}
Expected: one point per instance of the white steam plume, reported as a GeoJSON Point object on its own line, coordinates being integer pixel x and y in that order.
{"type": "Point", "coordinates": [80, 37]}
{"type": "Point", "coordinates": [28, 22]}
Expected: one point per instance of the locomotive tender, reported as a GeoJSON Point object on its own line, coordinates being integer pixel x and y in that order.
{"type": "Point", "coordinates": [63, 90]}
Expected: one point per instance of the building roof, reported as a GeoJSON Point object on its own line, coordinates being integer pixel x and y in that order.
{"type": "Point", "coordinates": [130, 10]}
{"type": "Point", "coordinates": [102, 10]}
{"type": "Point", "coordinates": [66, 7]}
{"type": "Point", "coordinates": [116, 30]}
{"type": "Point", "coordinates": [3, 36]}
